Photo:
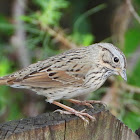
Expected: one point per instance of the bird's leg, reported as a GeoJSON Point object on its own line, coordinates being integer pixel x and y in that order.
{"type": "Point", "coordinates": [86, 103]}
{"type": "Point", "coordinates": [70, 110]}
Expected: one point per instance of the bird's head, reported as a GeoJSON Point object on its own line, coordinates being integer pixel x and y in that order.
{"type": "Point", "coordinates": [113, 59]}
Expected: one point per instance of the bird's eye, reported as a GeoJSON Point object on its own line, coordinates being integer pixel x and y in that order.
{"type": "Point", "coordinates": [116, 59]}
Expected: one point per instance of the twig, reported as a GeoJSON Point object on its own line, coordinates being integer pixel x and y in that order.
{"type": "Point", "coordinates": [130, 88]}
{"type": "Point", "coordinates": [59, 36]}
{"type": "Point", "coordinates": [125, 86]}
{"type": "Point", "coordinates": [132, 10]}
{"type": "Point", "coordinates": [18, 40]}
{"type": "Point", "coordinates": [119, 25]}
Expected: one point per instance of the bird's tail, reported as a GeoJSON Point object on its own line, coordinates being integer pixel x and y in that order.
{"type": "Point", "coordinates": [5, 80]}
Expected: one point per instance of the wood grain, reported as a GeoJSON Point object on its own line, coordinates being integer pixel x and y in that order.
{"type": "Point", "coordinates": [54, 126]}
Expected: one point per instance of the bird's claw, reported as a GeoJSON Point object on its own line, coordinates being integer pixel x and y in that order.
{"type": "Point", "coordinates": [80, 114]}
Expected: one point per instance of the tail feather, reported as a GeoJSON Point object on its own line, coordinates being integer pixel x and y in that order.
{"type": "Point", "coordinates": [6, 80]}
{"type": "Point", "coordinates": [3, 81]}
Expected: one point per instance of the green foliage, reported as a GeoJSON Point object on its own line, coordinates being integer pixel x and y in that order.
{"type": "Point", "coordinates": [6, 97]}
{"type": "Point", "coordinates": [5, 27]}
{"type": "Point", "coordinates": [3, 100]}
{"type": "Point", "coordinates": [131, 116]}
{"type": "Point", "coordinates": [4, 69]}
{"type": "Point", "coordinates": [130, 110]}
{"type": "Point", "coordinates": [132, 119]}
{"type": "Point", "coordinates": [51, 13]}
{"type": "Point", "coordinates": [132, 40]}
{"type": "Point", "coordinates": [4, 66]}
{"type": "Point", "coordinates": [85, 15]}
{"type": "Point", "coordinates": [135, 76]}
{"type": "Point", "coordinates": [84, 39]}
{"type": "Point", "coordinates": [15, 111]}
{"type": "Point", "coordinates": [82, 29]}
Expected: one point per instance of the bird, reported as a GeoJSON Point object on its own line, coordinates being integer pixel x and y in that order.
{"type": "Point", "coordinates": [73, 73]}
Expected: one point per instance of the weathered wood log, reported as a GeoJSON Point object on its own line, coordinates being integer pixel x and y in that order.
{"type": "Point", "coordinates": [55, 126]}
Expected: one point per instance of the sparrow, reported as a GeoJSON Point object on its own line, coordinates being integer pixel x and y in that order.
{"type": "Point", "coordinates": [71, 74]}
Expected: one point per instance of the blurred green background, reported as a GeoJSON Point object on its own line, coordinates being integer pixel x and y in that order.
{"type": "Point", "coordinates": [37, 29]}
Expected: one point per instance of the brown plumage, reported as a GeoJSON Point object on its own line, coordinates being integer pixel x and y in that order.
{"type": "Point", "coordinates": [71, 74]}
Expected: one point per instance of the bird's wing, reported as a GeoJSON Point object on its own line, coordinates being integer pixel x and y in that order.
{"type": "Point", "coordinates": [54, 73]}
{"type": "Point", "coordinates": [54, 78]}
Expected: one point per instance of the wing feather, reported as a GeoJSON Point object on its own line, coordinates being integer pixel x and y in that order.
{"type": "Point", "coordinates": [61, 78]}
{"type": "Point", "coordinates": [58, 71]}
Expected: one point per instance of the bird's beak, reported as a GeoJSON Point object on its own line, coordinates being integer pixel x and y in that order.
{"type": "Point", "coordinates": [123, 74]}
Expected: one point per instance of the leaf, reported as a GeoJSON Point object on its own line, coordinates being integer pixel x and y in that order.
{"type": "Point", "coordinates": [132, 40]}
{"type": "Point", "coordinates": [5, 27]}
{"type": "Point", "coordinates": [132, 120]}
{"type": "Point", "coordinates": [4, 66]}
{"type": "Point", "coordinates": [50, 13]}
{"type": "Point", "coordinates": [88, 39]}
{"type": "Point", "coordinates": [82, 17]}
{"type": "Point", "coordinates": [82, 38]}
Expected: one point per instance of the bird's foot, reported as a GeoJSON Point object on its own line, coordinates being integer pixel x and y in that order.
{"type": "Point", "coordinates": [80, 114]}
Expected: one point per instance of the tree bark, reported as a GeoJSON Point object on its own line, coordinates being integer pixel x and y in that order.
{"type": "Point", "coordinates": [54, 126]}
